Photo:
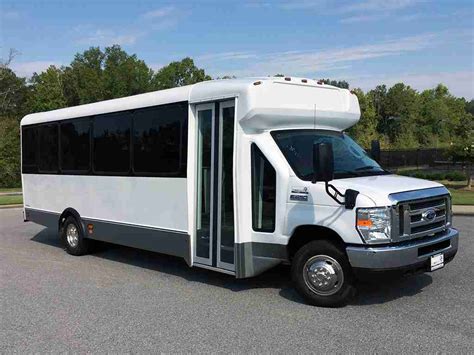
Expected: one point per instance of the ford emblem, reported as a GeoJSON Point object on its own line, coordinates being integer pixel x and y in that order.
{"type": "Point", "coordinates": [429, 215]}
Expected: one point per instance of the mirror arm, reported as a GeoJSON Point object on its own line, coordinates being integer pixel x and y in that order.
{"type": "Point", "coordinates": [349, 197]}
{"type": "Point", "coordinates": [334, 194]}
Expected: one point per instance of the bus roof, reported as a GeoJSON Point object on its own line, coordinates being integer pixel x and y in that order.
{"type": "Point", "coordinates": [264, 103]}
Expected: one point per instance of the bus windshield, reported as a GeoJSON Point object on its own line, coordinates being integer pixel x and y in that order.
{"type": "Point", "coordinates": [350, 160]}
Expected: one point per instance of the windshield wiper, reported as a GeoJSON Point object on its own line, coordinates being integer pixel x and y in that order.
{"type": "Point", "coordinates": [367, 167]}
{"type": "Point", "coordinates": [346, 172]}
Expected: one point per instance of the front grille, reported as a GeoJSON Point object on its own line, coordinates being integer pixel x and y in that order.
{"type": "Point", "coordinates": [421, 218]}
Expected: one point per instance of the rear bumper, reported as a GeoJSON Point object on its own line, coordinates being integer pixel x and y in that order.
{"type": "Point", "coordinates": [408, 257]}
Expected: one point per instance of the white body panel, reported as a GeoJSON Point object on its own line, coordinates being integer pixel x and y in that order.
{"type": "Point", "coordinates": [143, 201]}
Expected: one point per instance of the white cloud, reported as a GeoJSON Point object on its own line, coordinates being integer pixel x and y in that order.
{"type": "Point", "coordinates": [225, 56]}
{"type": "Point", "coordinates": [459, 83]}
{"type": "Point", "coordinates": [378, 5]}
{"type": "Point", "coordinates": [26, 69]}
{"type": "Point", "coordinates": [302, 4]}
{"type": "Point", "coordinates": [159, 13]}
{"type": "Point", "coordinates": [10, 15]}
{"type": "Point", "coordinates": [311, 62]}
{"type": "Point", "coordinates": [104, 37]}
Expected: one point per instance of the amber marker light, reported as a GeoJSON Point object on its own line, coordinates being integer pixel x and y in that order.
{"type": "Point", "coordinates": [364, 223]}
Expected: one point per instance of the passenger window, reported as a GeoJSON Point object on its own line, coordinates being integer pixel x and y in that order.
{"type": "Point", "coordinates": [29, 140]}
{"type": "Point", "coordinates": [263, 192]}
{"type": "Point", "coordinates": [75, 146]}
{"type": "Point", "coordinates": [158, 142]}
{"type": "Point", "coordinates": [48, 148]}
{"type": "Point", "coordinates": [112, 143]}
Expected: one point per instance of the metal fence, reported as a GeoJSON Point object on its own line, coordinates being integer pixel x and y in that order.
{"type": "Point", "coordinates": [415, 158]}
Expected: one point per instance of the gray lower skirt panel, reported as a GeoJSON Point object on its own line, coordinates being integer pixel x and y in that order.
{"type": "Point", "coordinates": [254, 258]}
{"type": "Point", "coordinates": [151, 239]}
{"type": "Point", "coordinates": [44, 218]}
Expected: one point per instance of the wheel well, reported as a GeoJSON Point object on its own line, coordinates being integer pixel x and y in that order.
{"type": "Point", "coordinates": [305, 234]}
{"type": "Point", "coordinates": [69, 212]}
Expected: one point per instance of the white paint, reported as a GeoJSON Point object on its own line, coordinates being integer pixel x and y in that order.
{"type": "Point", "coordinates": [145, 201]}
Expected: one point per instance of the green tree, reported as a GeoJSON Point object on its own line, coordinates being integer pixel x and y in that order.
{"type": "Point", "coordinates": [13, 93]}
{"type": "Point", "coordinates": [179, 73]}
{"type": "Point", "coordinates": [9, 152]}
{"type": "Point", "coordinates": [366, 129]}
{"type": "Point", "coordinates": [124, 74]}
{"type": "Point", "coordinates": [48, 90]}
{"type": "Point", "coordinates": [84, 78]}
{"type": "Point", "coordinates": [339, 83]}
{"type": "Point", "coordinates": [440, 114]}
{"type": "Point", "coordinates": [401, 110]}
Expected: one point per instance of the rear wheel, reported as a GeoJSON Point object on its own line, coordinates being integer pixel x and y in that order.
{"type": "Point", "coordinates": [322, 274]}
{"type": "Point", "coordinates": [73, 238]}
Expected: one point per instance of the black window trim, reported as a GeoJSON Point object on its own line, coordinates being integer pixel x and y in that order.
{"type": "Point", "coordinates": [38, 156]}
{"type": "Point", "coordinates": [252, 157]}
{"type": "Point", "coordinates": [112, 173]}
{"type": "Point", "coordinates": [183, 129]}
{"type": "Point", "coordinates": [75, 171]}
{"type": "Point", "coordinates": [183, 154]}
{"type": "Point", "coordinates": [33, 168]}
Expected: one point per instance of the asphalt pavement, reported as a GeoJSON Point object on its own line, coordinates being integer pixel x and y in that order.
{"type": "Point", "coordinates": [125, 300]}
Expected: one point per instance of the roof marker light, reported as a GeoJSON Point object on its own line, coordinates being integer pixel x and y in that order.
{"type": "Point", "coordinates": [304, 80]}
{"type": "Point", "coordinates": [257, 83]}
{"type": "Point", "coordinates": [320, 82]}
{"type": "Point", "coordinates": [288, 78]}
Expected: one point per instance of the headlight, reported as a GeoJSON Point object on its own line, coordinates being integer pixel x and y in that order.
{"type": "Point", "coordinates": [374, 224]}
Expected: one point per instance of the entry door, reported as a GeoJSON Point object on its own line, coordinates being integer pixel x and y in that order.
{"type": "Point", "coordinates": [214, 244]}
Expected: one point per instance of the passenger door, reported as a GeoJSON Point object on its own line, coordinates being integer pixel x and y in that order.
{"type": "Point", "coordinates": [214, 243]}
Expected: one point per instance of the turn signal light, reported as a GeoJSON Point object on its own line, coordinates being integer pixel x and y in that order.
{"type": "Point", "coordinates": [364, 223]}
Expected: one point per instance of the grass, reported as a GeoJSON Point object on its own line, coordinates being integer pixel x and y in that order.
{"type": "Point", "coordinates": [11, 200]}
{"type": "Point", "coordinates": [10, 189]}
{"type": "Point", "coordinates": [462, 196]}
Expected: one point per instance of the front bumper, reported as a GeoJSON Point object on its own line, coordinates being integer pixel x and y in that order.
{"type": "Point", "coordinates": [410, 256]}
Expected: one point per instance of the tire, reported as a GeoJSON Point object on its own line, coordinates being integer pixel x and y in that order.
{"type": "Point", "coordinates": [73, 238]}
{"type": "Point", "coordinates": [327, 266]}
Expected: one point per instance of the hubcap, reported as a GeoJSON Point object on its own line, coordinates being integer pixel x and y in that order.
{"type": "Point", "coordinates": [323, 275]}
{"type": "Point", "coordinates": [72, 235]}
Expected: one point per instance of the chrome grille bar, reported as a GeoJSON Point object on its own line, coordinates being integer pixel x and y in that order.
{"type": "Point", "coordinates": [420, 217]}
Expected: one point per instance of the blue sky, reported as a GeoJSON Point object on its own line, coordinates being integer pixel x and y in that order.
{"type": "Point", "coordinates": [366, 42]}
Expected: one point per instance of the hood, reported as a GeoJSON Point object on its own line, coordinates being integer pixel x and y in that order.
{"type": "Point", "coordinates": [379, 187]}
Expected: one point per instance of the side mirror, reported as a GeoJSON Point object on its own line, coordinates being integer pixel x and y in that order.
{"type": "Point", "coordinates": [375, 150]}
{"type": "Point", "coordinates": [323, 162]}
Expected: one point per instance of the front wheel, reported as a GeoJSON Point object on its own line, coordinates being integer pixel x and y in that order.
{"type": "Point", "coordinates": [322, 274]}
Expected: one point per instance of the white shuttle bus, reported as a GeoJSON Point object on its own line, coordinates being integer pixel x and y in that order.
{"type": "Point", "coordinates": [236, 176]}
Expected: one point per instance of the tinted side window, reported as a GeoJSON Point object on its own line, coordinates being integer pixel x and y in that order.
{"type": "Point", "coordinates": [48, 148]}
{"type": "Point", "coordinates": [263, 192]}
{"type": "Point", "coordinates": [29, 141]}
{"type": "Point", "coordinates": [75, 145]}
{"type": "Point", "coordinates": [160, 140]}
{"type": "Point", "coordinates": [112, 143]}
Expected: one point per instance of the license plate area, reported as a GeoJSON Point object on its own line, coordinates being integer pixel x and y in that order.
{"type": "Point", "coordinates": [436, 262]}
